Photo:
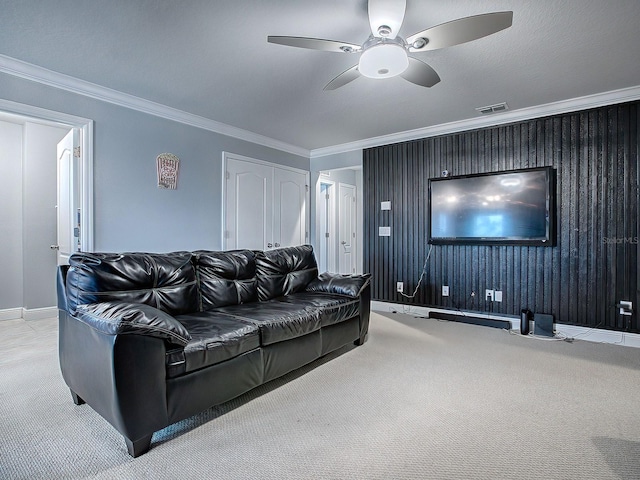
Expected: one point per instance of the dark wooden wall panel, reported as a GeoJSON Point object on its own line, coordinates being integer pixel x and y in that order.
{"type": "Point", "coordinates": [595, 262]}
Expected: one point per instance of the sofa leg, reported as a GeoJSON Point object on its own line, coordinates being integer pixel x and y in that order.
{"type": "Point", "coordinates": [138, 447]}
{"type": "Point", "coordinates": [76, 398]}
{"type": "Point", "coordinates": [360, 341]}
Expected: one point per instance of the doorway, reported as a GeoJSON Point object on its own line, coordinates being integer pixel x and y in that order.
{"type": "Point", "coordinates": [326, 220]}
{"type": "Point", "coordinates": [338, 220]}
{"type": "Point", "coordinates": [32, 192]}
{"type": "Point", "coordinates": [347, 228]}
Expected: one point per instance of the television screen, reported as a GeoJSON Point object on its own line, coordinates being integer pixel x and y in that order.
{"type": "Point", "coordinates": [508, 208]}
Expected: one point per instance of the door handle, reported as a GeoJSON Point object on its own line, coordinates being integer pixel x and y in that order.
{"type": "Point", "coordinates": [54, 247]}
{"type": "Point", "coordinates": [343, 243]}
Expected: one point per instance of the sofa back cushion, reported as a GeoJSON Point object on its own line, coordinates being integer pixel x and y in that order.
{"type": "Point", "coordinates": [226, 278]}
{"type": "Point", "coordinates": [164, 281]}
{"type": "Point", "coordinates": [284, 271]}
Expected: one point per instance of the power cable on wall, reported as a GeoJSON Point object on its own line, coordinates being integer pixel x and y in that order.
{"type": "Point", "coordinates": [424, 271]}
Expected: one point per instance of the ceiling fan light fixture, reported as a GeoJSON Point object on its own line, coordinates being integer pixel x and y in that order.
{"type": "Point", "coordinates": [383, 60]}
{"type": "Point", "coordinates": [384, 53]}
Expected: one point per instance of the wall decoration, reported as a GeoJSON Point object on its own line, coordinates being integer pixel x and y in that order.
{"type": "Point", "coordinates": [168, 165]}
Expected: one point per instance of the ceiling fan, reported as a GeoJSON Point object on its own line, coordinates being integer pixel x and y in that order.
{"type": "Point", "coordinates": [385, 54]}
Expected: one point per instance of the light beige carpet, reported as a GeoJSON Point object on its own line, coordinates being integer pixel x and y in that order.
{"type": "Point", "coordinates": [422, 399]}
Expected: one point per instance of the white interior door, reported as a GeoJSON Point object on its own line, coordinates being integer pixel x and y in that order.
{"type": "Point", "coordinates": [248, 209]}
{"type": "Point", "coordinates": [265, 206]}
{"type": "Point", "coordinates": [68, 207]}
{"type": "Point", "coordinates": [347, 228]}
{"type": "Point", "coordinates": [289, 208]}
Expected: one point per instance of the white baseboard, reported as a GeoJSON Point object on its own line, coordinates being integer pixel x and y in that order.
{"type": "Point", "coordinates": [28, 314]}
{"type": "Point", "coordinates": [10, 314]}
{"type": "Point", "coordinates": [39, 313]}
{"type": "Point", "coordinates": [571, 331]}
{"type": "Point", "coordinates": [599, 335]}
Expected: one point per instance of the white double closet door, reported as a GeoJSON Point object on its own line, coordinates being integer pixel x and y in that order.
{"type": "Point", "coordinates": [265, 205]}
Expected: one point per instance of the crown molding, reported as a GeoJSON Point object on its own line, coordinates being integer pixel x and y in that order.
{"type": "Point", "coordinates": [35, 73]}
{"type": "Point", "coordinates": [510, 116]}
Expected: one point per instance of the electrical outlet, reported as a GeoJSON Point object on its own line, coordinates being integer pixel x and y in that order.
{"type": "Point", "coordinates": [626, 308]}
{"type": "Point", "coordinates": [399, 287]}
{"type": "Point", "coordinates": [488, 295]}
{"type": "Point", "coordinates": [445, 290]}
{"type": "Point", "coordinates": [497, 296]}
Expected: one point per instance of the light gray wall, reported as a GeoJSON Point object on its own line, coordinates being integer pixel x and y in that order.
{"type": "Point", "coordinates": [130, 211]}
{"type": "Point", "coordinates": [39, 180]}
{"type": "Point", "coordinates": [11, 215]}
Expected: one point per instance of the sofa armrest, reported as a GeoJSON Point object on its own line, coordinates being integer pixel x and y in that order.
{"type": "Point", "coordinates": [350, 285]}
{"type": "Point", "coordinates": [116, 318]}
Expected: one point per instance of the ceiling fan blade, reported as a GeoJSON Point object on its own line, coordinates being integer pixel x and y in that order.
{"type": "Point", "coordinates": [345, 77]}
{"type": "Point", "coordinates": [315, 44]}
{"type": "Point", "coordinates": [420, 73]}
{"type": "Point", "coordinates": [460, 31]}
{"type": "Point", "coordinates": [386, 13]}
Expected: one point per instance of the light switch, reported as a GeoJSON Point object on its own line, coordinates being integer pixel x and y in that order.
{"type": "Point", "coordinates": [384, 231]}
{"type": "Point", "coordinates": [385, 205]}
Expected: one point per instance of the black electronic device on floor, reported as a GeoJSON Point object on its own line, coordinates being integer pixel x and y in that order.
{"type": "Point", "coordinates": [525, 317]}
{"type": "Point", "coordinates": [543, 325]}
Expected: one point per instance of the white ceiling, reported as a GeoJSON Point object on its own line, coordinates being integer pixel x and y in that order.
{"type": "Point", "coordinates": [211, 58]}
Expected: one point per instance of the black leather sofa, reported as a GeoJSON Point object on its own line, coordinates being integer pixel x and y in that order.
{"type": "Point", "coordinates": [150, 339]}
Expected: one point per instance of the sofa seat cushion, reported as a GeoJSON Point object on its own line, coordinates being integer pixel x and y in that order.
{"type": "Point", "coordinates": [333, 308]}
{"type": "Point", "coordinates": [215, 338]}
{"type": "Point", "coordinates": [277, 321]}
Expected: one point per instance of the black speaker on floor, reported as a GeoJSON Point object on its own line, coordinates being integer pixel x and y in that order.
{"type": "Point", "coordinates": [525, 316]}
{"type": "Point", "coordinates": [543, 325]}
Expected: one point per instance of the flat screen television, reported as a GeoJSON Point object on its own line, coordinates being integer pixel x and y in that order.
{"type": "Point", "coordinates": [515, 207]}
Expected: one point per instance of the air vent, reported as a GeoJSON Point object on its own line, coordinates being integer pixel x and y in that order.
{"type": "Point", "coordinates": [498, 107]}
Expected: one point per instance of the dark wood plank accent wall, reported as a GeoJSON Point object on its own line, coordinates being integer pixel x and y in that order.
{"type": "Point", "coordinates": [595, 262]}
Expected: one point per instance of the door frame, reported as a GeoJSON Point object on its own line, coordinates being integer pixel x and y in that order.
{"type": "Point", "coordinates": [85, 174]}
{"type": "Point", "coordinates": [223, 191]}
